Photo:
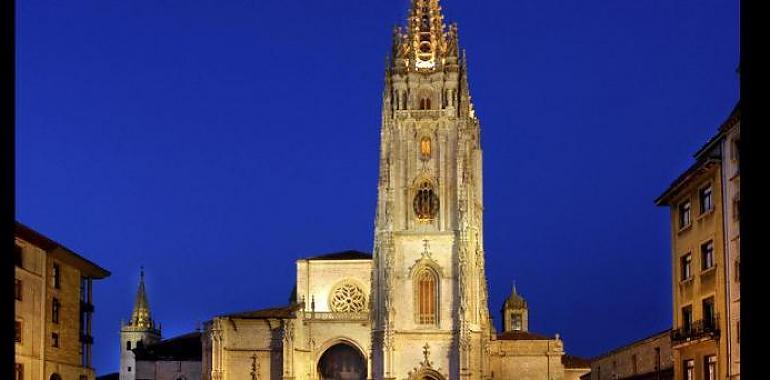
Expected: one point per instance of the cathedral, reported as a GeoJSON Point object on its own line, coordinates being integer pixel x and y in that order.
{"type": "Point", "coordinates": [417, 308]}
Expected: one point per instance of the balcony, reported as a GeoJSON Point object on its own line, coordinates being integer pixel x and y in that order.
{"type": "Point", "coordinates": [704, 329]}
{"type": "Point", "coordinates": [86, 307]}
{"type": "Point", "coordinates": [336, 316]}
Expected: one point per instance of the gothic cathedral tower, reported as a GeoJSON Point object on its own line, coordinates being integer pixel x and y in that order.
{"type": "Point", "coordinates": [430, 317]}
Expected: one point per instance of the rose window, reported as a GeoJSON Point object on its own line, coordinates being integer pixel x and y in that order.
{"type": "Point", "coordinates": [347, 298]}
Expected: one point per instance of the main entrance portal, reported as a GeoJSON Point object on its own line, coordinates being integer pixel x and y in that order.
{"type": "Point", "coordinates": [342, 362]}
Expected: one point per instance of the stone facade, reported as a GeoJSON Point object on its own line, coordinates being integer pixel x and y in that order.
{"type": "Point", "coordinates": [54, 309]}
{"type": "Point", "coordinates": [417, 308]}
{"type": "Point", "coordinates": [649, 358]}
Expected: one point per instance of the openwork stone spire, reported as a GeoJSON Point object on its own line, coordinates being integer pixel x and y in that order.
{"type": "Point", "coordinates": [426, 42]}
{"type": "Point", "coordinates": [140, 317]}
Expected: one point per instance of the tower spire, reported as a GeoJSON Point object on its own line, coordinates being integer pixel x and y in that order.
{"type": "Point", "coordinates": [141, 316]}
{"type": "Point", "coordinates": [426, 32]}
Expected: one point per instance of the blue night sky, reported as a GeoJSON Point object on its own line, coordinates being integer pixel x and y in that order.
{"type": "Point", "coordinates": [217, 141]}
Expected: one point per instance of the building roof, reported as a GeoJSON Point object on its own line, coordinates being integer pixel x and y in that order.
{"type": "Point", "coordinates": [693, 171]}
{"type": "Point", "coordinates": [344, 255]}
{"type": "Point", "coordinates": [734, 118]}
{"type": "Point", "coordinates": [522, 335]}
{"type": "Point", "coordinates": [709, 153]}
{"type": "Point", "coordinates": [181, 348]}
{"type": "Point", "coordinates": [652, 337]}
{"type": "Point", "coordinates": [283, 312]}
{"type": "Point", "coordinates": [515, 300]}
{"type": "Point", "coordinates": [60, 252]}
{"type": "Point", "coordinates": [574, 362]}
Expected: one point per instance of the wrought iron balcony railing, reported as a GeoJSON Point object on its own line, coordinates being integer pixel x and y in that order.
{"type": "Point", "coordinates": [704, 328]}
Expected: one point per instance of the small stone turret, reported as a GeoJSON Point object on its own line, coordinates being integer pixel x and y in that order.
{"type": "Point", "coordinates": [515, 313]}
{"type": "Point", "coordinates": [139, 331]}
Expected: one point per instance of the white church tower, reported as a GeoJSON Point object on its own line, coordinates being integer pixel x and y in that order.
{"type": "Point", "coordinates": [139, 331]}
{"type": "Point", "coordinates": [430, 317]}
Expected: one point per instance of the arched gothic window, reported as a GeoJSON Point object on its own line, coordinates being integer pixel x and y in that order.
{"type": "Point", "coordinates": [427, 297]}
{"type": "Point", "coordinates": [425, 103]}
{"type": "Point", "coordinates": [426, 202]}
{"type": "Point", "coordinates": [425, 148]}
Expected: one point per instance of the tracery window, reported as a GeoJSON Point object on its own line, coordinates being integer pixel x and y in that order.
{"type": "Point", "coordinates": [427, 297]}
{"type": "Point", "coordinates": [347, 298]}
{"type": "Point", "coordinates": [426, 202]}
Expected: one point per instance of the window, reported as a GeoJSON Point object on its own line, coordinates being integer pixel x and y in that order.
{"type": "Point", "coordinates": [707, 255]}
{"type": "Point", "coordinates": [689, 369]}
{"type": "Point", "coordinates": [426, 202]}
{"type": "Point", "coordinates": [710, 367]}
{"type": "Point", "coordinates": [19, 331]}
{"type": "Point", "coordinates": [128, 345]}
{"type": "Point", "coordinates": [684, 214]}
{"type": "Point", "coordinates": [634, 366]}
{"type": "Point", "coordinates": [85, 289]}
{"type": "Point", "coordinates": [706, 201]}
{"type": "Point", "coordinates": [129, 368]}
{"type": "Point", "coordinates": [709, 313]}
{"type": "Point", "coordinates": [738, 331]}
{"type": "Point", "coordinates": [686, 267]}
{"type": "Point", "coordinates": [736, 151]}
{"type": "Point", "coordinates": [686, 318]}
{"type": "Point", "coordinates": [425, 148]}
{"type": "Point", "coordinates": [516, 322]}
{"type": "Point", "coordinates": [55, 340]}
{"type": "Point", "coordinates": [19, 252]}
{"type": "Point", "coordinates": [426, 297]}
{"type": "Point", "coordinates": [56, 276]}
{"type": "Point", "coordinates": [55, 308]}
{"type": "Point", "coordinates": [737, 207]}
{"type": "Point", "coordinates": [425, 102]}
{"type": "Point", "coordinates": [18, 371]}
{"type": "Point", "coordinates": [85, 355]}
{"type": "Point", "coordinates": [18, 290]}
{"type": "Point", "coordinates": [657, 359]}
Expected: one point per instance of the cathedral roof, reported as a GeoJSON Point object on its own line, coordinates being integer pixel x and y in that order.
{"type": "Point", "coordinates": [522, 335]}
{"type": "Point", "coordinates": [344, 255]}
{"type": "Point", "coordinates": [181, 348]}
{"type": "Point", "coordinates": [273, 312]}
{"type": "Point", "coordinates": [574, 362]}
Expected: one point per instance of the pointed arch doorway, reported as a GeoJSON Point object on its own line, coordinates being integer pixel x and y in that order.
{"type": "Point", "coordinates": [427, 374]}
{"type": "Point", "coordinates": [342, 361]}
